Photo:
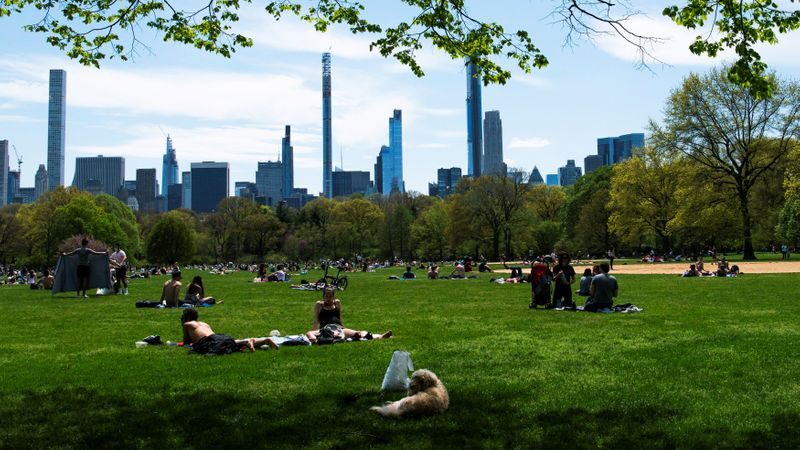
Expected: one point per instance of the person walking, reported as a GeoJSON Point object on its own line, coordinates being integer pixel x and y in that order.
{"type": "Point", "coordinates": [611, 257]}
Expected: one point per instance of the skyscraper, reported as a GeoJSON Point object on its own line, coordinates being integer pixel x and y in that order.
{"type": "Point", "coordinates": [56, 128]}
{"type": "Point", "coordinates": [474, 125]}
{"type": "Point", "coordinates": [327, 138]}
{"type": "Point", "coordinates": [40, 184]}
{"type": "Point", "coordinates": [614, 150]}
{"type": "Point", "coordinates": [146, 190]}
{"type": "Point", "coordinates": [99, 174]}
{"type": "Point", "coordinates": [493, 145]}
{"type": "Point", "coordinates": [392, 157]}
{"type": "Point", "coordinates": [592, 163]}
{"type": "Point", "coordinates": [536, 177]}
{"type": "Point", "coordinates": [12, 187]}
{"type": "Point", "coordinates": [3, 172]}
{"type": "Point", "coordinates": [346, 183]}
{"type": "Point", "coordinates": [379, 169]}
{"type": "Point", "coordinates": [269, 181]}
{"type": "Point", "coordinates": [169, 169]}
{"type": "Point", "coordinates": [447, 181]}
{"type": "Point", "coordinates": [210, 184]}
{"type": "Point", "coordinates": [624, 145]}
{"type": "Point", "coordinates": [552, 179]}
{"type": "Point", "coordinates": [287, 159]}
{"type": "Point", "coordinates": [186, 183]}
{"type": "Point", "coordinates": [569, 174]}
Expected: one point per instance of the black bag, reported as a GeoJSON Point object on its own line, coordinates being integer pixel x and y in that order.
{"type": "Point", "coordinates": [330, 334]}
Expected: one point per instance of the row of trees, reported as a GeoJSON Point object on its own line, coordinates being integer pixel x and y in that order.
{"type": "Point", "coordinates": [722, 170]}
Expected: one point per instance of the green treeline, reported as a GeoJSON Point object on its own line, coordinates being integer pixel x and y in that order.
{"type": "Point", "coordinates": [721, 170]}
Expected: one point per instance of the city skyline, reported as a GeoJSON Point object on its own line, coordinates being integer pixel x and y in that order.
{"type": "Point", "coordinates": [240, 106]}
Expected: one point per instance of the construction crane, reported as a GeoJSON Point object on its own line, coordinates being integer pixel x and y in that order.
{"type": "Point", "coordinates": [19, 160]}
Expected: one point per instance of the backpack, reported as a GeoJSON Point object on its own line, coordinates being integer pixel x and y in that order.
{"type": "Point", "coordinates": [330, 334]}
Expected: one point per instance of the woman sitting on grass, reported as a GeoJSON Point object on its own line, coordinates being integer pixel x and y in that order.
{"type": "Point", "coordinates": [196, 294]}
{"type": "Point", "coordinates": [328, 315]}
{"type": "Point", "coordinates": [586, 282]}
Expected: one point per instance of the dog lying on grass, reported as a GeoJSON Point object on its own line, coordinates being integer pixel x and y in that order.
{"type": "Point", "coordinates": [426, 395]}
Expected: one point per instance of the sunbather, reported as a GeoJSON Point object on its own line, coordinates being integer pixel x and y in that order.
{"type": "Point", "coordinates": [203, 340]}
{"type": "Point", "coordinates": [328, 312]}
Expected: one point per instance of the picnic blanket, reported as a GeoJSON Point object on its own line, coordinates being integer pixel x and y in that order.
{"type": "Point", "coordinates": [153, 304]}
{"type": "Point", "coordinates": [66, 276]}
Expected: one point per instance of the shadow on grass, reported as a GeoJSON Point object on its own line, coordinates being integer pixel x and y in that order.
{"type": "Point", "coordinates": [83, 418]}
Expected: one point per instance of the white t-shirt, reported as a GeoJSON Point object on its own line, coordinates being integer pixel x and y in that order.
{"type": "Point", "coordinates": [119, 257]}
{"type": "Point", "coordinates": [281, 275]}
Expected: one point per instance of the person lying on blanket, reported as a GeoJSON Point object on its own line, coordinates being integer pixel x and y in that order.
{"type": "Point", "coordinates": [328, 312]}
{"type": "Point", "coordinates": [203, 340]}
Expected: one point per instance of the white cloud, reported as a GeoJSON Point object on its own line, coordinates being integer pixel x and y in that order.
{"type": "Point", "coordinates": [674, 49]}
{"type": "Point", "coordinates": [528, 143]}
{"type": "Point", "coordinates": [12, 118]}
{"type": "Point", "coordinates": [292, 35]}
{"type": "Point", "coordinates": [434, 146]}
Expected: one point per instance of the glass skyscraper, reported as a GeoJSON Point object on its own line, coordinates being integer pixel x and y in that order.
{"type": "Point", "coordinates": [493, 145]}
{"type": "Point", "coordinates": [169, 169]}
{"type": "Point", "coordinates": [3, 172]}
{"type": "Point", "coordinates": [614, 150]}
{"type": "Point", "coordinates": [40, 183]}
{"type": "Point", "coordinates": [393, 165]}
{"type": "Point", "coordinates": [269, 181]}
{"type": "Point", "coordinates": [186, 187]}
{"type": "Point", "coordinates": [287, 159]}
{"type": "Point", "coordinates": [447, 181]}
{"type": "Point", "coordinates": [56, 128]}
{"type": "Point", "coordinates": [536, 177]}
{"type": "Point", "coordinates": [327, 136]}
{"type": "Point", "coordinates": [569, 174]}
{"type": "Point", "coordinates": [210, 184]}
{"type": "Point", "coordinates": [474, 122]}
{"type": "Point", "coordinates": [100, 174]}
{"type": "Point", "coordinates": [146, 190]}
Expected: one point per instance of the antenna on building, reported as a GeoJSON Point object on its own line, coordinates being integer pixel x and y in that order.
{"type": "Point", "coordinates": [341, 157]}
{"type": "Point", "coordinates": [162, 131]}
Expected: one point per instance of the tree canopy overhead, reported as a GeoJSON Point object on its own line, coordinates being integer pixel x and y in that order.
{"type": "Point", "coordinates": [93, 30]}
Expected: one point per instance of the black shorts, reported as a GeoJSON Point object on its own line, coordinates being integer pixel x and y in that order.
{"type": "Point", "coordinates": [84, 271]}
{"type": "Point", "coordinates": [215, 344]}
{"type": "Point", "coordinates": [121, 272]}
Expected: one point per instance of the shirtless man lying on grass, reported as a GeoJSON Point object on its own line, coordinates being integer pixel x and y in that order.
{"type": "Point", "coordinates": [203, 340]}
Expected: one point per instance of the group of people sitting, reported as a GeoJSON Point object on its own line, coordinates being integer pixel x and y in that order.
{"type": "Point", "coordinates": [327, 328]}
{"type": "Point", "coordinates": [596, 285]}
{"type": "Point", "coordinates": [195, 293]}
{"type": "Point", "coordinates": [279, 275]}
{"type": "Point", "coordinates": [723, 269]}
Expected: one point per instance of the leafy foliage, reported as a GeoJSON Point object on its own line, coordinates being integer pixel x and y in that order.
{"type": "Point", "coordinates": [91, 31]}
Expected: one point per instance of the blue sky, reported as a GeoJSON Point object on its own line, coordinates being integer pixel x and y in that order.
{"type": "Point", "coordinates": [235, 109]}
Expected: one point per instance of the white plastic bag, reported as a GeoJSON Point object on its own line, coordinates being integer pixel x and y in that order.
{"type": "Point", "coordinates": [396, 377]}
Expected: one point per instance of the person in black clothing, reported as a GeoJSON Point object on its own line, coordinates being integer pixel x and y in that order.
{"type": "Point", "coordinates": [328, 312]}
{"type": "Point", "coordinates": [564, 277]}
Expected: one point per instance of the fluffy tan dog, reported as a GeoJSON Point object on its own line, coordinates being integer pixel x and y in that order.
{"type": "Point", "coordinates": [426, 395]}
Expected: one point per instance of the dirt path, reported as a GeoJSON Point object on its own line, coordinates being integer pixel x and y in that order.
{"type": "Point", "coordinates": [679, 268]}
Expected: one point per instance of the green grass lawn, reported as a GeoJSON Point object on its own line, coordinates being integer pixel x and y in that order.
{"type": "Point", "coordinates": [709, 363]}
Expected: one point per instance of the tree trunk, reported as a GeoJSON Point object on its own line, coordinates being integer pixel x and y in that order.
{"type": "Point", "coordinates": [747, 224]}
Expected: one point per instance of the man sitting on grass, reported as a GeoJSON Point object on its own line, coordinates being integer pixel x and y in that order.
{"type": "Point", "coordinates": [409, 275]}
{"type": "Point", "coordinates": [171, 293]}
{"type": "Point", "coordinates": [203, 340]}
{"type": "Point", "coordinates": [603, 290]}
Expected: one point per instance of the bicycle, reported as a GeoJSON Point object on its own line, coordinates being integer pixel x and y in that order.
{"type": "Point", "coordinates": [338, 281]}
